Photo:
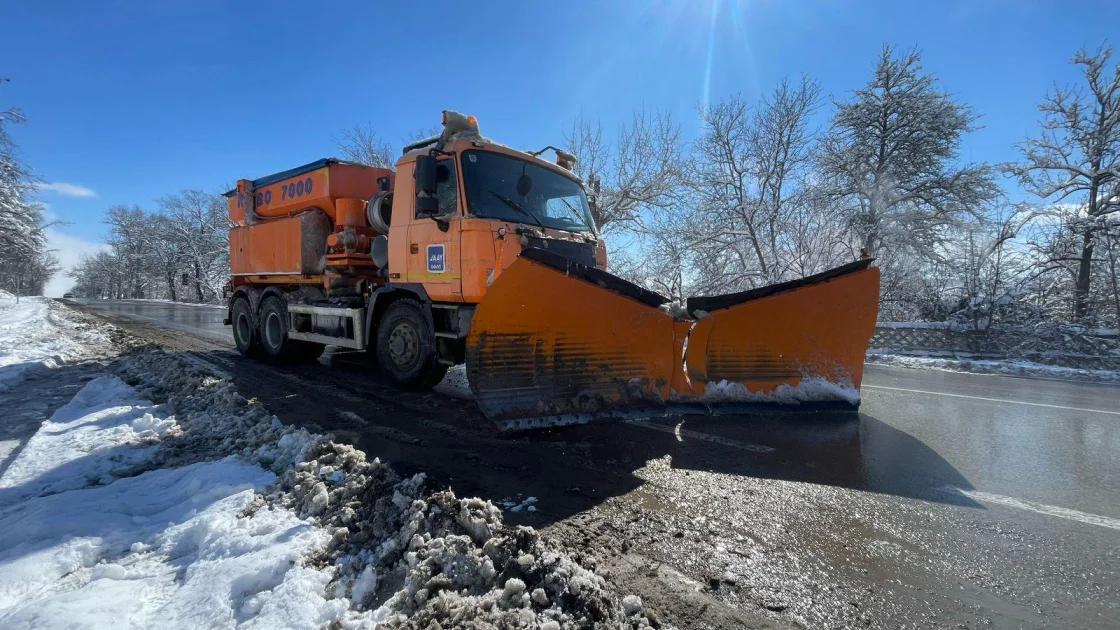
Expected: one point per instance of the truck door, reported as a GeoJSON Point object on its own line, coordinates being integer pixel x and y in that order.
{"type": "Point", "coordinates": [433, 254]}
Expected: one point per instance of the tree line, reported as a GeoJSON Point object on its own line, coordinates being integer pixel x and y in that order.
{"type": "Point", "coordinates": [761, 195]}
{"type": "Point", "coordinates": [178, 251]}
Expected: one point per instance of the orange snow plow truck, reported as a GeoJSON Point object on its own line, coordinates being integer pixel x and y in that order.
{"type": "Point", "coordinates": [472, 252]}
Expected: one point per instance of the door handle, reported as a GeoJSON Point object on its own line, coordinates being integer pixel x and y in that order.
{"type": "Point", "coordinates": [414, 248]}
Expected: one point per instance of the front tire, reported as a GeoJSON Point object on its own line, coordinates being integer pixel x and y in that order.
{"type": "Point", "coordinates": [406, 347]}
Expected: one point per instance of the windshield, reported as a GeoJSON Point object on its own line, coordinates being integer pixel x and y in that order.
{"type": "Point", "coordinates": [503, 187]}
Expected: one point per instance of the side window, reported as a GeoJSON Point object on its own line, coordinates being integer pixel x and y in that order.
{"type": "Point", "coordinates": [446, 189]}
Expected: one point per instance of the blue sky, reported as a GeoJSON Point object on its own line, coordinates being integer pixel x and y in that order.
{"type": "Point", "coordinates": [128, 101]}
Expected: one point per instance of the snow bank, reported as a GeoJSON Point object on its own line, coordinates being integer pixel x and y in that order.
{"type": "Point", "coordinates": [105, 428]}
{"type": "Point", "coordinates": [929, 325]}
{"type": "Point", "coordinates": [35, 337]}
{"type": "Point", "coordinates": [164, 548]}
{"type": "Point", "coordinates": [994, 366]}
{"type": "Point", "coordinates": [812, 389]}
{"type": "Point", "coordinates": [204, 511]}
{"type": "Point", "coordinates": [399, 552]}
{"type": "Point", "coordinates": [411, 557]}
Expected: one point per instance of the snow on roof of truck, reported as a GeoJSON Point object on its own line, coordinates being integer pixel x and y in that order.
{"type": "Point", "coordinates": [292, 172]}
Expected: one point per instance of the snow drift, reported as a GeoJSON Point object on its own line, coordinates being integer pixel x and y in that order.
{"type": "Point", "coordinates": [205, 511]}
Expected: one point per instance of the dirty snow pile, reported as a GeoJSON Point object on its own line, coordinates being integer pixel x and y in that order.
{"type": "Point", "coordinates": [1007, 367]}
{"type": "Point", "coordinates": [204, 511]}
{"type": "Point", "coordinates": [35, 336]}
{"type": "Point", "coordinates": [813, 389]}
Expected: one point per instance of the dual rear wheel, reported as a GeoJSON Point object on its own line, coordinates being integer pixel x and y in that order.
{"type": "Point", "coordinates": [267, 334]}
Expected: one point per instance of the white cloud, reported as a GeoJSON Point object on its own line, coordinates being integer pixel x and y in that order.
{"type": "Point", "coordinates": [69, 250]}
{"type": "Point", "coordinates": [64, 188]}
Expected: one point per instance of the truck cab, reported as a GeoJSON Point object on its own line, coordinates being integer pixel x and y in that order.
{"type": "Point", "coordinates": [472, 207]}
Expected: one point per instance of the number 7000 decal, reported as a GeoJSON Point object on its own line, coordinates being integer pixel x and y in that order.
{"type": "Point", "coordinates": [298, 188]}
{"type": "Point", "coordinates": [287, 191]}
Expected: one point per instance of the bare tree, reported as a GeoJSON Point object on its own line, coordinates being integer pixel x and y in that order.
{"type": "Point", "coordinates": [362, 144]}
{"type": "Point", "coordinates": [1076, 157]}
{"type": "Point", "coordinates": [641, 170]}
{"type": "Point", "coordinates": [749, 170]}
{"type": "Point", "coordinates": [128, 228]}
{"type": "Point", "coordinates": [891, 157]}
{"type": "Point", "coordinates": [165, 250]}
{"type": "Point", "coordinates": [199, 224]}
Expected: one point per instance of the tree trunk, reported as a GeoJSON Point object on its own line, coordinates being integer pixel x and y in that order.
{"type": "Point", "coordinates": [198, 281]}
{"type": "Point", "coordinates": [1081, 288]}
{"type": "Point", "coordinates": [171, 285]}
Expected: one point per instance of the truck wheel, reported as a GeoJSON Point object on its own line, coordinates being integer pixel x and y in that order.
{"type": "Point", "coordinates": [244, 332]}
{"type": "Point", "coordinates": [274, 334]}
{"type": "Point", "coordinates": [406, 348]}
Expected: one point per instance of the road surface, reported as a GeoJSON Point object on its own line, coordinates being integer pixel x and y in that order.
{"type": "Point", "coordinates": [951, 500]}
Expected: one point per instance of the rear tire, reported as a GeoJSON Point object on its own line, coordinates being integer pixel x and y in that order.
{"type": "Point", "coordinates": [244, 330]}
{"type": "Point", "coordinates": [273, 324]}
{"type": "Point", "coordinates": [406, 347]}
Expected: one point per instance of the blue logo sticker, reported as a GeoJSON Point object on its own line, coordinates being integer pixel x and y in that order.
{"type": "Point", "coordinates": [435, 258]}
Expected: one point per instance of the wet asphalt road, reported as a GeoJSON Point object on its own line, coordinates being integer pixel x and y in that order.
{"type": "Point", "coordinates": [951, 500]}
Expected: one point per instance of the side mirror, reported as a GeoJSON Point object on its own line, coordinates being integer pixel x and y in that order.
{"type": "Point", "coordinates": [427, 206]}
{"type": "Point", "coordinates": [424, 173]}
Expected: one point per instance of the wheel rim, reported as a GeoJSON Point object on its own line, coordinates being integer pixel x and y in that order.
{"type": "Point", "coordinates": [272, 329]}
{"type": "Point", "coordinates": [244, 329]}
{"type": "Point", "coordinates": [404, 345]}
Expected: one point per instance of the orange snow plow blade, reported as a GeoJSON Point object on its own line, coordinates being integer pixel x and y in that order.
{"type": "Point", "coordinates": [546, 347]}
{"type": "Point", "coordinates": [555, 342]}
{"type": "Point", "coordinates": [800, 341]}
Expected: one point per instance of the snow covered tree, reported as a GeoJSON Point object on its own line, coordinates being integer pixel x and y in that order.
{"type": "Point", "coordinates": [165, 251]}
{"type": "Point", "coordinates": [891, 157]}
{"type": "Point", "coordinates": [749, 167]}
{"type": "Point", "coordinates": [97, 276]}
{"type": "Point", "coordinates": [1075, 160]}
{"type": "Point", "coordinates": [362, 144]}
{"type": "Point", "coordinates": [641, 170]}
{"type": "Point", "coordinates": [127, 237]}
{"type": "Point", "coordinates": [25, 265]}
{"type": "Point", "coordinates": [198, 223]}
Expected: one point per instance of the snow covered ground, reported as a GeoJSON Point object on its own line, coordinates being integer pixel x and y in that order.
{"type": "Point", "coordinates": [158, 497]}
{"type": "Point", "coordinates": [34, 339]}
{"type": "Point", "coordinates": [992, 366]}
